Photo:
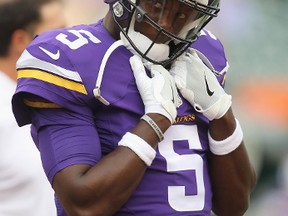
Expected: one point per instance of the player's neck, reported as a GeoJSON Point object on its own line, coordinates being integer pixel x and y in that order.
{"type": "Point", "coordinates": [110, 25]}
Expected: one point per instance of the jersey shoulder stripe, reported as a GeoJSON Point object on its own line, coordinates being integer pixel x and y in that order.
{"type": "Point", "coordinates": [61, 66]}
{"type": "Point", "coordinates": [40, 104]}
{"type": "Point", "coordinates": [52, 78]}
{"type": "Point", "coordinates": [29, 66]}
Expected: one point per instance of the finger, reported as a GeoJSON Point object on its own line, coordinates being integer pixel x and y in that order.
{"type": "Point", "coordinates": [164, 72]}
{"type": "Point", "coordinates": [138, 68]}
{"type": "Point", "coordinates": [157, 79]}
{"type": "Point", "coordinates": [180, 84]}
{"type": "Point", "coordinates": [136, 64]}
{"type": "Point", "coordinates": [192, 52]}
{"type": "Point", "coordinates": [174, 91]}
{"type": "Point", "coordinates": [147, 64]}
{"type": "Point", "coordinates": [156, 70]}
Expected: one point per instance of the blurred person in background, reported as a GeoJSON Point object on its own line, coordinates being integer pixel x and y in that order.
{"type": "Point", "coordinates": [24, 188]}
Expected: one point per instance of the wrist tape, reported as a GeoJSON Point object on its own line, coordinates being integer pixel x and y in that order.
{"type": "Point", "coordinates": [227, 145]}
{"type": "Point", "coordinates": [154, 126]}
{"type": "Point", "coordinates": [139, 146]}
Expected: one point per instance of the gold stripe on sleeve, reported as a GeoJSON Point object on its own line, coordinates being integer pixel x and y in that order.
{"type": "Point", "coordinates": [53, 79]}
{"type": "Point", "coordinates": [36, 104]}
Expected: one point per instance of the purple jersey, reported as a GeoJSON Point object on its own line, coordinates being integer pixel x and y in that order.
{"type": "Point", "coordinates": [86, 72]}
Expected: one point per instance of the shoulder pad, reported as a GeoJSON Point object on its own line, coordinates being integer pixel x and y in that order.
{"type": "Point", "coordinates": [211, 47]}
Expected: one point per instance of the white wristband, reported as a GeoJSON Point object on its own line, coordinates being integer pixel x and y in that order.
{"type": "Point", "coordinates": [227, 145]}
{"type": "Point", "coordinates": [139, 146]}
{"type": "Point", "coordinates": [154, 126]}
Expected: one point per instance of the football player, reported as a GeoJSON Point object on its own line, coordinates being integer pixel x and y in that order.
{"type": "Point", "coordinates": [130, 115]}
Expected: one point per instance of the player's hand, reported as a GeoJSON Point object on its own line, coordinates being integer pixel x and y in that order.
{"type": "Point", "coordinates": [199, 86]}
{"type": "Point", "coordinates": [159, 93]}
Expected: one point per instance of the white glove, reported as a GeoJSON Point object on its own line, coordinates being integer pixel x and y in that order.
{"type": "Point", "coordinates": [159, 93]}
{"type": "Point", "coordinates": [199, 86]}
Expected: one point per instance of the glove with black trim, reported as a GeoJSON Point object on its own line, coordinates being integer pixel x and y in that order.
{"type": "Point", "coordinates": [199, 86]}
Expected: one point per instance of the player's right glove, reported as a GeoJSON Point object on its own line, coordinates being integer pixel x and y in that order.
{"type": "Point", "coordinates": [159, 93]}
{"type": "Point", "coordinates": [199, 86]}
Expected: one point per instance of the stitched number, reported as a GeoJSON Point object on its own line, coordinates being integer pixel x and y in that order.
{"type": "Point", "coordinates": [80, 39]}
{"type": "Point", "coordinates": [177, 198]}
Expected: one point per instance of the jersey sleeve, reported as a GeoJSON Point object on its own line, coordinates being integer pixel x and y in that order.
{"type": "Point", "coordinates": [212, 54]}
{"type": "Point", "coordinates": [52, 95]}
{"type": "Point", "coordinates": [64, 139]}
{"type": "Point", "coordinates": [47, 79]}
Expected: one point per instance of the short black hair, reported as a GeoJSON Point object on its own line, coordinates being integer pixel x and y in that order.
{"type": "Point", "coordinates": [17, 14]}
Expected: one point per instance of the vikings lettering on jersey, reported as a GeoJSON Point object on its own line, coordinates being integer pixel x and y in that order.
{"type": "Point", "coordinates": [85, 71]}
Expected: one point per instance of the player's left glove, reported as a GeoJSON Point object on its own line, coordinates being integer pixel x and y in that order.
{"type": "Point", "coordinates": [199, 86]}
{"type": "Point", "coordinates": [159, 93]}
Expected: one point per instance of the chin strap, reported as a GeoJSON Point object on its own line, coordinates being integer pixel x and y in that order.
{"type": "Point", "coordinates": [96, 90]}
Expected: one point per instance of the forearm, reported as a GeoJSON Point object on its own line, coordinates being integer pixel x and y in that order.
{"type": "Point", "coordinates": [105, 187]}
{"type": "Point", "coordinates": [232, 175]}
{"type": "Point", "coordinates": [109, 184]}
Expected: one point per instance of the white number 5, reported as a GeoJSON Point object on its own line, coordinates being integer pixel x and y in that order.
{"type": "Point", "coordinates": [80, 41]}
{"type": "Point", "coordinates": [176, 162]}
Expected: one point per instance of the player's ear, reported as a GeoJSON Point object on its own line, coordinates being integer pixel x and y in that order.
{"type": "Point", "coordinates": [20, 40]}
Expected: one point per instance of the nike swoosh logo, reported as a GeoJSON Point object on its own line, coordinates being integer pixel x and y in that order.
{"type": "Point", "coordinates": [209, 92]}
{"type": "Point", "coordinates": [54, 56]}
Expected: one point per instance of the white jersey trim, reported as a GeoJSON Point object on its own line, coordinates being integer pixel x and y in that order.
{"type": "Point", "coordinates": [27, 61]}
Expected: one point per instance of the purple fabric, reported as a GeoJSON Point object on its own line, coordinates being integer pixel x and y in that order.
{"type": "Point", "coordinates": [84, 129]}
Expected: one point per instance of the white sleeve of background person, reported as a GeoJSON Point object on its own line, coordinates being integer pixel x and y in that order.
{"type": "Point", "coordinates": [24, 188]}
